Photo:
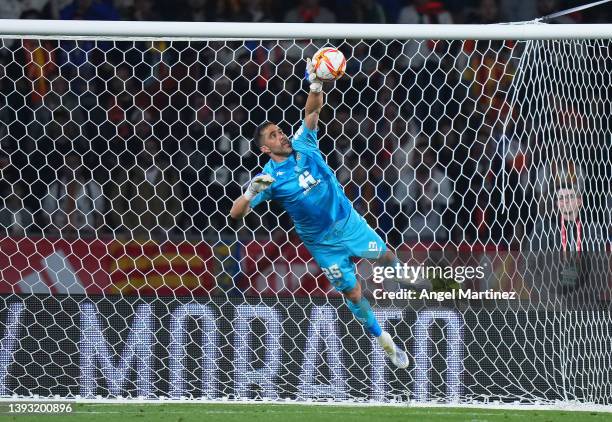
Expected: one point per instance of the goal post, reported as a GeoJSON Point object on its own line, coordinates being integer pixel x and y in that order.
{"type": "Point", "coordinates": [248, 30]}
{"type": "Point", "coordinates": [481, 154]}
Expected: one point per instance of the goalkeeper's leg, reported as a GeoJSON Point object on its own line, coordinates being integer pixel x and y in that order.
{"type": "Point", "coordinates": [360, 307]}
{"type": "Point", "coordinates": [340, 271]}
{"type": "Point", "coordinates": [333, 254]}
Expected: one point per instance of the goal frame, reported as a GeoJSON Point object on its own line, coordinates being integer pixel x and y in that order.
{"type": "Point", "coordinates": [15, 28]}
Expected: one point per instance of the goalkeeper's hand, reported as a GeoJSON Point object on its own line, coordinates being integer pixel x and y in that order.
{"type": "Point", "coordinates": [258, 184]}
{"type": "Point", "coordinates": [316, 85]}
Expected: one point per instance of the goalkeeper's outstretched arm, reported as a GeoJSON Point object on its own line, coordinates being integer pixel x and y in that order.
{"type": "Point", "coordinates": [314, 102]}
{"type": "Point", "coordinates": [261, 182]}
{"type": "Point", "coordinates": [240, 208]}
{"type": "Point", "coordinates": [242, 205]}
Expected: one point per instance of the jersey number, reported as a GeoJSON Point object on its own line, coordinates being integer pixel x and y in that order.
{"type": "Point", "coordinates": [306, 180]}
{"type": "Point", "coordinates": [332, 272]}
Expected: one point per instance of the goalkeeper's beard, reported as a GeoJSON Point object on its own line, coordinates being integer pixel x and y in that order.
{"type": "Point", "coordinates": [284, 150]}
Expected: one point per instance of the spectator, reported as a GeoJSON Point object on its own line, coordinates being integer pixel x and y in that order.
{"type": "Point", "coordinates": [15, 218]}
{"type": "Point", "coordinates": [431, 194]}
{"type": "Point", "coordinates": [233, 11]}
{"type": "Point", "coordinates": [567, 260]}
{"type": "Point", "coordinates": [488, 73]}
{"type": "Point", "coordinates": [144, 10]}
{"type": "Point", "coordinates": [429, 82]}
{"type": "Point", "coordinates": [149, 205]}
{"type": "Point", "coordinates": [11, 9]}
{"type": "Point", "coordinates": [75, 201]}
{"type": "Point", "coordinates": [487, 13]}
{"type": "Point", "coordinates": [125, 8]}
{"type": "Point", "coordinates": [39, 67]}
{"type": "Point", "coordinates": [423, 12]}
{"type": "Point", "coordinates": [423, 192]}
{"type": "Point", "coordinates": [197, 11]}
{"type": "Point", "coordinates": [28, 9]}
{"type": "Point", "coordinates": [546, 7]}
{"type": "Point", "coordinates": [261, 10]}
{"type": "Point", "coordinates": [368, 11]}
{"type": "Point", "coordinates": [519, 10]}
{"type": "Point", "coordinates": [392, 9]}
{"type": "Point", "coordinates": [343, 9]}
{"type": "Point", "coordinates": [6, 216]}
{"type": "Point", "coordinates": [309, 11]}
{"type": "Point", "coordinates": [75, 57]}
{"type": "Point", "coordinates": [90, 10]}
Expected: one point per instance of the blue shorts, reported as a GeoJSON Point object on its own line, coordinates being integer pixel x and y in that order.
{"type": "Point", "coordinates": [349, 238]}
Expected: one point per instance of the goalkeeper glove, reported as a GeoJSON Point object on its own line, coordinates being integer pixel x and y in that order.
{"type": "Point", "coordinates": [258, 184]}
{"type": "Point", "coordinates": [316, 85]}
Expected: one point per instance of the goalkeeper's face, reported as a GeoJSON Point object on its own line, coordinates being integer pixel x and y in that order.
{"type": "Point", "coordinates": [275, 143]}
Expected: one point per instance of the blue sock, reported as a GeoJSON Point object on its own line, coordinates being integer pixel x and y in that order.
{"type": "Point", "coordinates": [364, 314]}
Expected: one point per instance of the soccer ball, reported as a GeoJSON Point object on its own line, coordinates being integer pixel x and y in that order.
{"type": "Point", "coordinates": [329, 64]}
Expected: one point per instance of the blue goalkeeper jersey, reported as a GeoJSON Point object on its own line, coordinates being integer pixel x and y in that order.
{"type": "Point", "coordinates": [307, 188]}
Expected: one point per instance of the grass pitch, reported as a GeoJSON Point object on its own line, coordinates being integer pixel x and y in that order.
{"type": "Point", "coordinates": [184, 412]}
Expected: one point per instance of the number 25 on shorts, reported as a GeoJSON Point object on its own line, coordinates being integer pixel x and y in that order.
{"type": "Point", "coordinates": [332, 272]}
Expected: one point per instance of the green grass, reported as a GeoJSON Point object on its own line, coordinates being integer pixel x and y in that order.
{"type": "Point", "coordinates": [181, 412]}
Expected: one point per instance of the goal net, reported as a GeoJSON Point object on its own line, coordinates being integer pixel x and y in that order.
{"type": "Point", "coordinates": [122, 275]}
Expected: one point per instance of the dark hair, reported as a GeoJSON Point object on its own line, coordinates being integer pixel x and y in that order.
{"type": "Point", "coordinates": [30, 14]}
{"type": "Point", "coordinates": [257, 135]}
{"type": "Point", "coordinates": [568, 184]}
{"type": "Point", "coordinates": [568, 176]}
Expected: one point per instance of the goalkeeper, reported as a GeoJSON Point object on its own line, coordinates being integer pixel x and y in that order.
{"type": "Point", "coordinates": [298, 178]}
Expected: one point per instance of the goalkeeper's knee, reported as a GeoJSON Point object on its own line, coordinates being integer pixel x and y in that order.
{"type": "Point", "coordinates": [364, 314]}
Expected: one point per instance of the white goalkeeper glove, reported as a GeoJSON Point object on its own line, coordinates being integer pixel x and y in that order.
{"type": "Point", "coordinates": [259, 183]}
{"type": "Point", "coordinates": [316, 85]}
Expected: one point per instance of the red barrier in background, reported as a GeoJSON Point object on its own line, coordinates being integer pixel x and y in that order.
{"type": "Point", "coordinates": [98, 266]}
{"type": "Point", "coordinates": [39, 265]}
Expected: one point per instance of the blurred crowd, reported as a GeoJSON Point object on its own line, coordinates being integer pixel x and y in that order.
{"type": "Point", "coordinates": [152, 139]}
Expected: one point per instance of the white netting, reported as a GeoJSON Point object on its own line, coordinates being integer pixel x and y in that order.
{"type": "Point", "coordinates": [122, 275]}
